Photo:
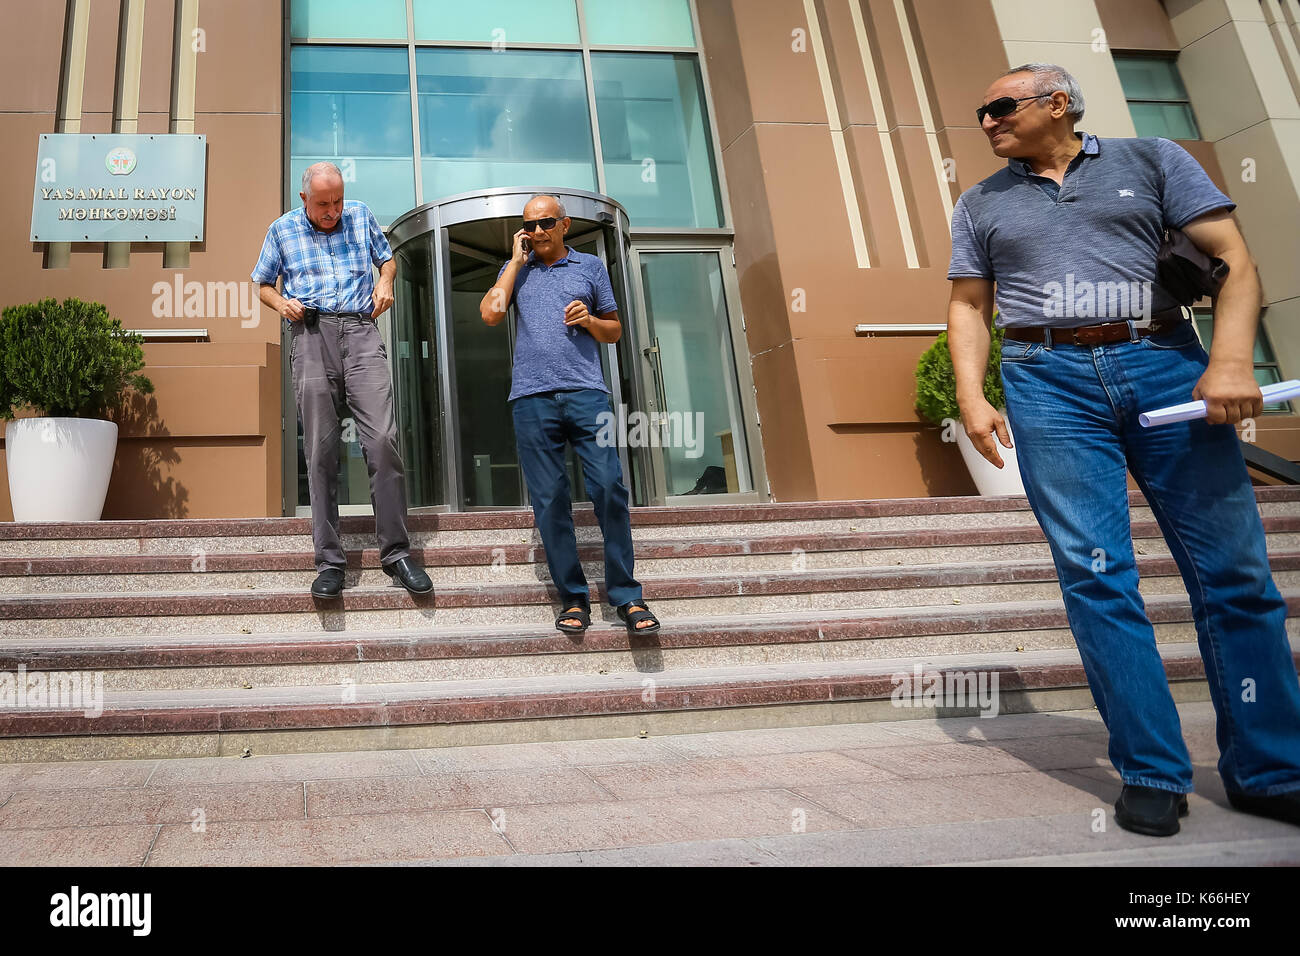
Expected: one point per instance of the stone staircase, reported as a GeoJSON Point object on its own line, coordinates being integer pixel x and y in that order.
{"type": "Point", "coordinates": [208, 641]}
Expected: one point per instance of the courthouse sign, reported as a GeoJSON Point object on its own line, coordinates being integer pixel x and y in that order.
{"type": "Point", "coordinates": [119, 187]}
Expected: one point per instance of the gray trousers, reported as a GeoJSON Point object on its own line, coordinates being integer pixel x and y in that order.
{"type": "Point", "coordinates": [341, 362]}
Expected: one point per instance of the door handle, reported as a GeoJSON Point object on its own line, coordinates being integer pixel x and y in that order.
{"type": "Point", "coordinates": [652, 354]}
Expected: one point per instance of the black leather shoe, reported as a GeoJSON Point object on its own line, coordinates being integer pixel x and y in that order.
{"type": "Point", "coordinates": [1280, 806]}
{"type": "Point", "coordinates": [409, 575]}
{"type": "Point", "coordinates": [328, 584]}
{"type": "Point", "coordinates": [1150, 810]}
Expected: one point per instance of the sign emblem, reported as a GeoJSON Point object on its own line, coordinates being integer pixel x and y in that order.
{"type": "Point", "coordinates": [120, 161]}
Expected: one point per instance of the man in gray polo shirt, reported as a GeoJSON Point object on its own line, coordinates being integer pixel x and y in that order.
{"type": "Point", "coordinates": [1068, 232]}
{"type": "Point", "coordinates": [566, 308]}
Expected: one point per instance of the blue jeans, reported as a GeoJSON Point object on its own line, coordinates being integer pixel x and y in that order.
{"type": "Point", "coordinates": [1074, 413]}
{"type": "Point", "coordinates": [543, 424]}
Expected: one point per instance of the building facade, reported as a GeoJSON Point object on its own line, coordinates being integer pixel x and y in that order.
{"type": "Point", "coordinates": [769, 182]}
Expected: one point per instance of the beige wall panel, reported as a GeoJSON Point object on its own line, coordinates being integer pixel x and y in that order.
{"type": "Point", "coordinates": [874, 193]}
{"type": "Point", "coordinates": [156, 60]}
{"type": "Point", "coordinates": [1268, 209]}
{"type": "Point", "coordinates": [1192, 19]}
{"type": "Point", "coordinates": [897, 85]}
{"type": "Point", "coordinates": [31, 48]}
{"type": "Point", "coordinates": [1106, 110]}
{"type": "Point", "coordinates": [961, 53]}
{"type": "Point", "coordinates": [889, 462]}
{"type": "Point", "coordinates": [244, 167]}
{"type": "Point", "coordinates": [179, 479]}
{"type": "Point", "coordinates": [101, 59]}
{"type": "Point", "coordinates": [783, 84]}
{"type": "Point", "coordinates": [925, 207]}
{"type": "Point", "coordinates": [1221, 84]}
{"type": "Point", "coordinates": [763, 297]}
{"type": "Point", "coordinates": [1046, 21]}
{"type": "Point", "coordinates": [1136, 25]}
{"type": "Point", "coordinates": [1275, 89]}
{"type": "Point", "coordinates": [240, 70]}
{"type": "Point", "coordinates": [847, 74]}
{"type": "Point", "coordinates": [209, 401]}
{"type": "Point", "coordinates": [784, 430]}
{"type": "Point", "coordinates": [719, 36]}
{"type": "Point", "coordinates": [871, 381]}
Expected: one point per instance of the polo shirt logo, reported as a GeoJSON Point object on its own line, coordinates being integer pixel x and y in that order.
{"type": "Point", "coordinates": [1126, 192]}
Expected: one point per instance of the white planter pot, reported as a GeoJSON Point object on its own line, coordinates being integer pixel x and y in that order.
{"type": "Point", "coordinates": [989, 479]}
{"type": "Point", "coordinates": [59, 467]}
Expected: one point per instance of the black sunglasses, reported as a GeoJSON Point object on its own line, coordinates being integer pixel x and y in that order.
{"type": "Point", "coordinates": [1004, 106]}
{"type": "Point", "coordinates": [547, 224]}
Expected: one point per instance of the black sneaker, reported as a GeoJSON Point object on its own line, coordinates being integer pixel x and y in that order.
{"type": "Point", "coordinates": [1150, 810]}
{"type": "Point", "coordinates": [1279, 806]}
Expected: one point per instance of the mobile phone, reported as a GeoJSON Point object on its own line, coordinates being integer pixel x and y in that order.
{"type": "Point", "coordinates": [527, 244]}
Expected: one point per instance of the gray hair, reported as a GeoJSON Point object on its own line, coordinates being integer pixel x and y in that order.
{"type": "Point", "coordinates": [559, 203]}
{"type": "Point", "coordinates": [1048, 78]}
{"type": "Point", "coordinates": [318, 169]}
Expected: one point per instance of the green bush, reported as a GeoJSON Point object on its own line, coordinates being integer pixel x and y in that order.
{"type": "Point", "coordinates": [67, 360]}
{"type": "Point", "coordinates": [936, 385]}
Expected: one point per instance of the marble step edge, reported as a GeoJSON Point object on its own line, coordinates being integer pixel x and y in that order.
{"type": "Point", "coordinates": [650, 550]}
{"type": "Point", "coordinates": [523, 518]}
{"type": "Point", "coordinates": [435, 702]}
{"type": "Point", "coordinates": [731, 584]}
{"type": "Point", "coordinates": [480, 642]}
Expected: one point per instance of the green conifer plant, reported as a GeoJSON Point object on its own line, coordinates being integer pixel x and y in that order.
{"type": "Point", "coordinates": [67, 359]}
{"type": "Point", "coordinates": [936, 384]}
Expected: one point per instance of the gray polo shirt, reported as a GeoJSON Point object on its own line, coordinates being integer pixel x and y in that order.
{"type": "Point", "coordinates": [550, 356]}
{"type": "Point", "coordinates": [1085, 252]}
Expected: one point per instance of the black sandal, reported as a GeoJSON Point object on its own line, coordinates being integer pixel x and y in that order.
{"type": "Point", "coordinates": [632, 618]}
{"type": "Point", "coordinates": [578, 610]}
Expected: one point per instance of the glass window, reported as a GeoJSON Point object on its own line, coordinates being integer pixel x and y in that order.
{"type": "Point", "coordinates": [1156, 97]}
{"type": "Point", "coordinates": [511, 118]}
{"type": "Point", "coordinates": [348, 20]}
{"type": "Point", "coordinates": [644, 23]}
{"type": "Point", "coordinates": [654, 138]}
{"type": "Point", "coordinates": [496, 21]}
{"type": "Point", "coordinates": [352, 107]}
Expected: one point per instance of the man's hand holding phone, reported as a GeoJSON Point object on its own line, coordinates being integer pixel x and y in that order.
{"type": "Point", "coordinates": [522, 247]}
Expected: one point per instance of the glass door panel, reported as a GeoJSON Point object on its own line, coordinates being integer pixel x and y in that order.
{"type": "Point", "coordinates": [490, 473]}
{"type": "Point", "coordinates": [697, 418]}
{"type": "Point", "coordinates": [415, 375]}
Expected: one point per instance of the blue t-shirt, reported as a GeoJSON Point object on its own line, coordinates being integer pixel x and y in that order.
{"type": "Point", "coordinates": [1084, 252]}
{"type": "Point", "coordinates": [549, 355]}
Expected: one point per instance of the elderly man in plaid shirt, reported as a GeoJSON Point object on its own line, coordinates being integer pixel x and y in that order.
{"type": "Point", "coordinates": [324, 252]}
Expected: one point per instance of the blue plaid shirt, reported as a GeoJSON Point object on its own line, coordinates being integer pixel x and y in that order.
{"type": "Point", "coordinates": [328, 270]}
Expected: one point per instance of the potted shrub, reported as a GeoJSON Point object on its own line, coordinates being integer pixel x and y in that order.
{"type": "Point", "coordinates": [71, 364]}
{"type": "Point", "coordinates": [936, 400]}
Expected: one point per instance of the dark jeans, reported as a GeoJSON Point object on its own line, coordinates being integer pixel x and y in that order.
{"type": "Point", "coordinates": [543, 424]}
{"type": "Point", "coordinates": [1074, 411]}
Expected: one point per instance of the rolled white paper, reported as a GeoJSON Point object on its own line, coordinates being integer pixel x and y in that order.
{"type": "Point", "coordinates": [1277, 392]}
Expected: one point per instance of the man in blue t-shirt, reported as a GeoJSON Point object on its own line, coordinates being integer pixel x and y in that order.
{"type": "Point", "coordinates": [1068, 233]}
{"type": "Point", "coordinates": [566, 309]}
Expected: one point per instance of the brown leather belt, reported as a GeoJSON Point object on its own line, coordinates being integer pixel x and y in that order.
{"type": "Point", "coordinates": [1102, 334]}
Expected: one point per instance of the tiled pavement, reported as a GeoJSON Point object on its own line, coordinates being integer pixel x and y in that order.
{"type": "Point", "coordinates": [1023, 789]}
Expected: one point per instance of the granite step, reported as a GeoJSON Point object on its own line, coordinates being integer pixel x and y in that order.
{"type": "Point", "coordinates": [726, 595]}
{"type": "Point", "coordinates": [437, 713]}
{"type": "Point", "coordinates": [195, 537]}
{"type": "Point", "coordinates": [236, 660]}
{"type": "Point", "coordinates": [520, 563]}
